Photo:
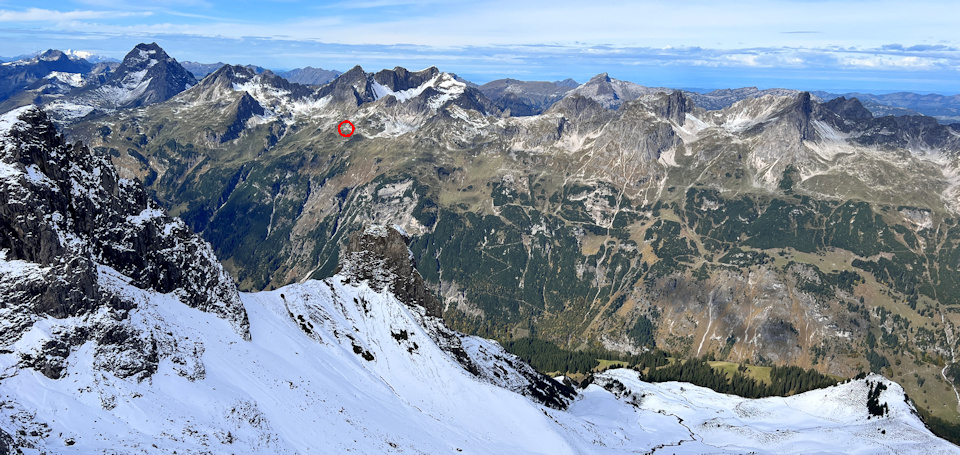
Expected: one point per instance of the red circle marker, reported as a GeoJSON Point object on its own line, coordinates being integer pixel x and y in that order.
{"type": "Point", "coordinates": [340, 128]}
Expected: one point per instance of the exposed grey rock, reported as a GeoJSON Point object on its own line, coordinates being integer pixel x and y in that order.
{"type": "Point", "coordinates": [675, 107]}
{"type": "Point", "coordinates": [611, 93]}
{"type": "Point", "coordinates": [243, 109]}
{"type": "Point", "coordinates": [379, 255]}
{"type": "Point", "coordinates": [848, 108]}
{"type": "Point", "coordinates": [309, 75]}
{"type": "Point", "coordinates": [350, 88]}
{"type": "Point", "coordinates": [65, 218]}
{"type": "Point", "coordinates": [523, 98]}
{"type": "Point", "coordinates": [719, 99]}
{"type": "Point", "coordinates": [946, 109]}
{"type": "Point", "coordinates": [399, 78]}
{"type": "Point", "coordinates": [7, 445]}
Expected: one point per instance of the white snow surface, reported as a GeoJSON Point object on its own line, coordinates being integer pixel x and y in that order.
{"type": "Point", "coordinates": [131, 87]}
{"type": "Point", "coordinates": [68, 110]}
{"type": "Point", "coordinates": [8, 119]}
{"type": "Point", "coordinates": [79, 53]}
{"type": "Point", "coordinates": [302, 385]}
{"type": "Point", "coordinates": [71, 79]}
{"type": "Point", "coordinates": [145, 215]}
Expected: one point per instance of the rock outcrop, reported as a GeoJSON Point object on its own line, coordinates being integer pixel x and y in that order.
{"type": "Point", "coordinates": [379, 255]}
{"type": "Point", "coordinates": [68, 223]}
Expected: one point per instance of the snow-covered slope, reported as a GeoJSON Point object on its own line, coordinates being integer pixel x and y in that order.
{"type": "Point", "coordinates": [831, 420]}
{"type": "Point", "coordinates": [335, 367]}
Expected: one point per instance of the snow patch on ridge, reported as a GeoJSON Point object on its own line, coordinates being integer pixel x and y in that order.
{"type": "Point", "coordinates": [145, 215]}
{"type": "Point", "coordinates": [8, 119]}
{"type": "Point", "coordinates": [71, 79]}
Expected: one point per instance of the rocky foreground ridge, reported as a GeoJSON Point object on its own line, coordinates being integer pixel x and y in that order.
{"type": "Point", "coordinates": [66, 220]}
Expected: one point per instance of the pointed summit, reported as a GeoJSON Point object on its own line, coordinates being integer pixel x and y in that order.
{"type": "Point", "coordinates": [227, 75]}
{"type": "Point", "coordinates": [351, 88]}
{"type": "Point", "coordinates": [20, 75]}
{"type": "Point", "coordinates": [52, 55]}
{"type": "Point", "coordinates": [602, 77]}
{"type": "Point", "coordinates": [800, 113]}
{"type": "Point", "coordinates": [147, 75]}
{"type": "Point", "coordinates": [611, 93]}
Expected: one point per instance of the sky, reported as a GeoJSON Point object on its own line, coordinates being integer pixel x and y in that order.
{"type": "Point", "coordinates": [852, 45]}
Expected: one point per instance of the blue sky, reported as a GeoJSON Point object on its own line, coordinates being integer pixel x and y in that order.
{"type": "Point", "coordinates": [876, 46]}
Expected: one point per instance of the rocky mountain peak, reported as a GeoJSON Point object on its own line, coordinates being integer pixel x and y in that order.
{"type": "Point", "coordinates": [142, 56]}
{"type": "Point", "coordinates": [243, 109]}
{"type": "Point", "coordinates": [523, 98]}
{"type": "Point", "coordinates": [400, 78]}
{"type": "Point", "coordinates": [233, 73]}
{"type": "Point", "coordinates": [612, 93]}
{"type": "Point", "coordinates": [722, 98]}
{"type": "Point", "coordinates": [350, 88]}
{"type": "Point", "coordinates": [147, 75]}
{"type": "Point", "coordinates": [600, 78]}
{"type": "Point", "coordinates": [379, 255]}
{"type": "Point", "coordinates": [848, 108]}
{"type": "Point", "coordinates": [800, 113]}
{"type": "Point", "coordinates": [52, 55]}
{"type": "Point", "coordinates": [568, 83]}
{"type": "Point", "coordinates": [578, 106]}
{"type": "Point", "coordinates": [151, 48]}
{"type": "Point", "coordinates": [353, 73]}
{"type": "Point", "coordinates": [68, 223]}
{"type": "Point", "coordinates": [804, 103]}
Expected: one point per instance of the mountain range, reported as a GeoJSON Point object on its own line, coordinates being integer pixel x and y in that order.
{"type": "Point", "coordinates": [306, 76]}
{"type": "Point", "coordinates": [533, 97]}
{"type": "Point", "coordinates": [746, 228]}
{"type": "Point", "coordinates": [124, 334]}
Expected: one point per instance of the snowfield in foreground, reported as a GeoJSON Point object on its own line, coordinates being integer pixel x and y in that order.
{"type": "Point", "coordinates": [337, 368]}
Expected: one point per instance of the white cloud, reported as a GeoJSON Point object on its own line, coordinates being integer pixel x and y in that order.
{"type": "Point", "coordinates": [889, 62]}
{"type": "Point", "coordinates": [46, 15]}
